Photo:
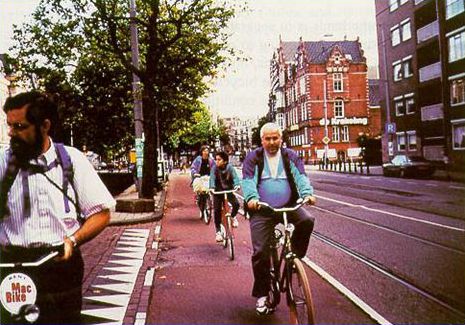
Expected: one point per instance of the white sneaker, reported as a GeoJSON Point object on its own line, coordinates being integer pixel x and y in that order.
{"type": "Point", "coordinates": [235, 222]}
{"type": "Point", "coordinates": [201, 214]}
{"type": "Point", "coordinates": [261, 306]}
{"type": "Point", "coordinates": [219, 236]}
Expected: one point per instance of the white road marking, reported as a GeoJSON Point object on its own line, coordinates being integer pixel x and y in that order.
{"type": "Point", "coordinates": [140, 319]}
{"type": "Point", "coordinates": [457, 187]}
{"type": "Point", "coordinates": [346, 292]}
{"type": "Point", "coordinates": [391, 214]}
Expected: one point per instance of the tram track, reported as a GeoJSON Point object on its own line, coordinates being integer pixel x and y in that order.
{"type": "Point", "coordinates": [386, 272]}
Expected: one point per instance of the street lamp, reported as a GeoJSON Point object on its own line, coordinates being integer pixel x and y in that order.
{"type": "Point", "coordinates": [325, 106]}
{"type": "Point", "coordinates": [138, 117]}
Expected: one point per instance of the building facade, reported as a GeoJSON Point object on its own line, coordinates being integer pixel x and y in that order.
{"type": "Point", "coordinates": [421, 45]}
{"type": "Point", "coordinates": [240, 134]}
{"type": "Point", "coordinates": [320, 97]}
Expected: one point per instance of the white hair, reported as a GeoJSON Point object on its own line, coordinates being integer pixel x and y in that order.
{"type": "Point", "coordinates": [270, 126]}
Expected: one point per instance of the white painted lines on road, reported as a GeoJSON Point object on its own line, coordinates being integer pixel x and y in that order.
{"type": "Point", "coordinates": [391, 214]}
{"type": "Point", "coordinates": [148, 281]}
{"type": "Point", "coordinates": [346, 292]}
{"type": "Point", "coordinates": [140, 318]}
{"type": "Point", "coordinates": [124, 266]}
{"type": "Point", "coordinates": [457, 187]}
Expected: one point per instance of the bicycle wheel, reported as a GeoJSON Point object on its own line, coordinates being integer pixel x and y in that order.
{"type": "Point", "coordinates": [231, 246]}
{"type": "Point", "coordinates": [299, 298]}
{"type": "Point", "coordinates": [207, 216]}
{"type": "Point", "coordinates": [275, 293]}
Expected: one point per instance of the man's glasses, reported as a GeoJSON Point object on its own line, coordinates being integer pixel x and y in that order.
{"type": "Point", "coordinates": [18, 126]}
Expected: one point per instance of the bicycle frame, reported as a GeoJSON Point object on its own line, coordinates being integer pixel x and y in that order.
{"type": "Point", "coordinates": [226, 221]}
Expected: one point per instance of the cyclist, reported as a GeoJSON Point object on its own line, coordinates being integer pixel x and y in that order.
{"type": "Point", "coordinates": [223, 177]}
{"type": "Point", "coordinates": [274, 175]}
{"type": "Point", "coordinates": [201, 166]}
{"type": "Point", "coordinates": [32, 203]}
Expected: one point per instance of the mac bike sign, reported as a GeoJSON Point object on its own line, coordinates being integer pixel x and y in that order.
{"type": "Point", "coordinates": [17, 290]}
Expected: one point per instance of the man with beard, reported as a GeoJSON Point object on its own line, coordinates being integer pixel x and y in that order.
{"type": "Point", "coordinates": [276, 176]}
{"type": "Point", "coordinates": [34, 209]}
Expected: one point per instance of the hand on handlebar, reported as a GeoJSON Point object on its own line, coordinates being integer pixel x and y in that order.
{"type": "Point", "coordinates": [310, 200]}
{"type": "Point", "coordinates": [67, 251]}
{"type": "Point", "coordinates": [253, 205]}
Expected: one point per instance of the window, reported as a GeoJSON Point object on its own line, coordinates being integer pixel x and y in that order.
{"type": "Point", "coordinates": [457, 46]}
{"type": "Point", "coordinates": [454, 7]}
{"type": "Point", "coordinates": [399, 106]}
{"type": "Point", "coordinates": [407, 67]}
{"type": "Point", "coordinates": [337, 82]}
{"type": "Point", "coordinates": [403, 68]}
{"type": "Point", "coordinates": [345, 133]}
{"type": "Point", "coordinates": [394, 4]}
{"type": "Point", "coordinates": [457, 91]}
{"type": "Point", "coordinates": [412, 140]}
{"type": "Point", "coordinates": [395, 36]}
{"type": "Point", "coordinates": [397, 66]}
{"type": "Point", "coordinates": [401, 32]}
{"type": "Point", "coordinates": [410, 104]}
{"type": "Point", "coordinates": [401, 141]}
{"type": "Point", "coordinates": [458, 133]}
{"type": "Point", "coordinates": [302, 86]}
{"type": "Point", "coordinates": [336, 134]}
{"type": "Point", "coordinates": [304, 112]}
{"type": "Point", "coordinates": [338, 108]}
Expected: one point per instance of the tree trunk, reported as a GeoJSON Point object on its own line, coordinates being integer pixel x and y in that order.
{"type": "Point", "coordinates": [149, 170]}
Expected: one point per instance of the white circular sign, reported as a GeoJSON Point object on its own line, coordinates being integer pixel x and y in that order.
{"type": "Point", "coordinates": [17, 290]}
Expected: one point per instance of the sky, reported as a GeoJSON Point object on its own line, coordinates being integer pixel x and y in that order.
{"type": "Point", "coordinates": [243, 89]}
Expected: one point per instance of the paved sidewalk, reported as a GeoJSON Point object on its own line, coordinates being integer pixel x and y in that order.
{"type": "Point", "coordinates": [120, 266]}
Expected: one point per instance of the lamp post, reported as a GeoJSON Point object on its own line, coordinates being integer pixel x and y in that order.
{"type": "Point", "coordinates": [325, 106]}
{"type": "Point", "coordinates": [136, 90]}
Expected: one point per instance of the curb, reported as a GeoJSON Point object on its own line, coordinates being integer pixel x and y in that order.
{"type": "Point", "coordinates": [133, 218]}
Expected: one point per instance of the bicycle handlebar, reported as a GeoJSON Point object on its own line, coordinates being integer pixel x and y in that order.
{"type": "Point", "coordinates": [224, 192]}
{"type": "Point", "coordinates": [300, 202]}
{"type": "Point", "coordinates": [55, 250]}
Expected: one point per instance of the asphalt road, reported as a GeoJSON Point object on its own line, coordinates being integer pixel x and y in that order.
{"type": "Point", "coordinates": [397, 244]}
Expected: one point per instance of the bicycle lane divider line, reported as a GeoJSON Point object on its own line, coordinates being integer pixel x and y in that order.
{"type": "Point", "coordinates": [124, 266]}
{"type": "Point", "coordinates": [390, 214]}
{"type": "Point", "coordinates": [346, 292]}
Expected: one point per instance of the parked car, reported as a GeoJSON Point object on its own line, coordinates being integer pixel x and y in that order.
{"type": "Point", "coordinates": [405, 166]}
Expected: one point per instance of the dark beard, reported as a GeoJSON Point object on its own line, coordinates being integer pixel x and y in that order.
{"type": "Point", "coordinates": [24, 151]}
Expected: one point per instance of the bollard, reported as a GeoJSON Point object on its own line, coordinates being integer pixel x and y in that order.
{"type": "Point", "coordinates": [355, 166]}
{"type": "Point", "coordinates": [340, 165]}
{"type": "Point", "coordinates": [361, 167]}
{"type": "Point", "coordinates": [350, 167]}
{"type": "Point", "coordinates": [368, 169]}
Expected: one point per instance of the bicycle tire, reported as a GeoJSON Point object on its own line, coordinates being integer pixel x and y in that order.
{"type": "Point", "coordinates": [207, 216]}
{"type": "Point", "coordinates": [300, 297]}
{"type": "Point", "coordinates": [274, 295]}
{"type": "Point", "coordinates": [231, 247]}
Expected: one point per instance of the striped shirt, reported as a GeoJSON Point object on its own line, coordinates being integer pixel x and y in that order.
{"type": "Point", "coordinates": [47, 221]}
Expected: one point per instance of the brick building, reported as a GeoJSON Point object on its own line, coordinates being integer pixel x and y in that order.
{"type": "Point", "coordinates": [320, 97]}
{"type": "Point", "coordinates": [421, 45]}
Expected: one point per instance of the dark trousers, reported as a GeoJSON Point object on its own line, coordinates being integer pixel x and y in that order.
{"type": "Point", "coordinates": [262, 223]}
{"type": "Point", "coordinates": [59, 287]}
{"type": "Point", "coordinates": [218, 204]}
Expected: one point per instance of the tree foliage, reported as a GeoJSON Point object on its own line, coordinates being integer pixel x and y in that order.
{"type": "Point", "coordinates": [81, 51]}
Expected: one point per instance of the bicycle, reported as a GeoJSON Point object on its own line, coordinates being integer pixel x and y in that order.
{"type": "Point", "coordinates": [18, 290]}
{"type": "Point", "coordinates": [226, 222]}
{"type": "Point", "coordinates": [287, 272]}
{"type": "Point", "coordinates": [201, 189]}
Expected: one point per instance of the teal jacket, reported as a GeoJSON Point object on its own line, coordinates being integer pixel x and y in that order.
{"type": "Point", "coordinates": [229, 174]}
{"type": "Point", "coordinates": [293, 166]}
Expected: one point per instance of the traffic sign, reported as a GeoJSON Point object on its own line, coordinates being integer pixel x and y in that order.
{"type": "Point", "coordinates": [326, 140]}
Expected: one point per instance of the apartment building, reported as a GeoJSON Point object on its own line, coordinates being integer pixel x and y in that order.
{"type": "Point", "coordinates": [421, 45]}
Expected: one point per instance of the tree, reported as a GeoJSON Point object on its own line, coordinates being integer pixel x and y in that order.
{"type": "Point", "coordinates": [256, 140]}
{"type": "Point", "coordinates": [181, 43]}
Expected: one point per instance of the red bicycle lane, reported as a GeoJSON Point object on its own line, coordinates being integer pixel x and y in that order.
{"type": "Point", "coordinates": [196, 283]}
